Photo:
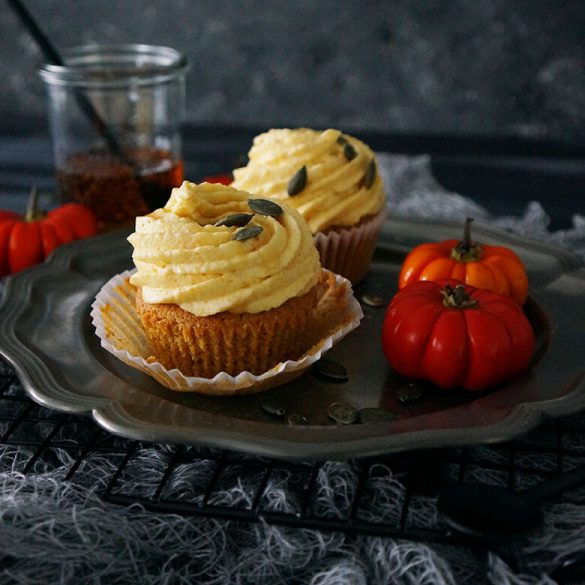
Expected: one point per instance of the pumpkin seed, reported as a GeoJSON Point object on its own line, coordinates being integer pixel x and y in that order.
{"type": "Point", "coordinates": [349, 151]}
{"type": "Point", "coordinates": [272, 409]}
{"type": "Point", "coordinates": [373, 300]}
{"type": "Point", "coordinates": [374, 415]}
{"type": "Point", "coordinates": [370, 175]}
{"type": "Point", "coordinates": [298, 182]}
{"type": "Point", "coordinates": [342, 413]}
{"type": "Point", "coordinates": [248, 232]}
{"type": "Point", "coordinates": [265, 207]}
{"type": "Point", "coordinates": [332, 371]}
{"type": "Point", "coordinates": [296, 419]}
{"type": "Point", "coordinates": [235, 220]}
{"type": "Point", "coordinates": [410, 392]}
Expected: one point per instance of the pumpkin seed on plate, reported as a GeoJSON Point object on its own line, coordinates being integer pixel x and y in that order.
{"type": "Point", "coordinates": [272, 409]}
{"type": "Point", "coordinates": [235, 220]}
{"type": "Point", "coordinates": [298, 181]}
{"type": "Point", "coordinates": [374, 415]}
{"type": "Point", "coordinates": [331, 370]}
{"type": "Point", "coordinates": [342, 413]}
{"type": "Point", "coordinates": [246, 233]}
{"type": "Point", "coordinates": [296, 419]}
{"type": "Point", "coordinates": [265, 207]}
{"type": "Point", "coordinates": [410, 392]}
{"type": "Point", "coordinates": [373, 300]}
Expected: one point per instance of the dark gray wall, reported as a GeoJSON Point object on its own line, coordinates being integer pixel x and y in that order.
{"type": "Point", "coordinates": [495, 67]}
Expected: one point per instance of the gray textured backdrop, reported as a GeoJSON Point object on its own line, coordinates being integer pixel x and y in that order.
{"type": "Point", "coordinates": [496, 67]}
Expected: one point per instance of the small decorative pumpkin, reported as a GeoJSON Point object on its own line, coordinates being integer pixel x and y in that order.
{"type": "Point", "coordinates": [29, 239]}
{"type": "Point", "coordinates": [223, 179]}
{"type": "Point", "coordinates": [455, 335]}
{"type": "Point", "coordinates": [494, 268]}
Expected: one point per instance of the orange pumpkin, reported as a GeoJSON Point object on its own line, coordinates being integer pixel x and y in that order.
{"type": "Point", "coordinates": [494, 268]}
{"type": "Point", "coordinates": [28, 240]}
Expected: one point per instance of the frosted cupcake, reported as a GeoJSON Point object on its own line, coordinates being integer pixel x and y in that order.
{"type": "Point", "coordinates": [332, 180]}
{"type": "Point", "coordinates": [226, 282]}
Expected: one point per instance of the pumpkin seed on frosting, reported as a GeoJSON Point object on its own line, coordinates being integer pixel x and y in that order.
{"type": "Point", "coordinates": [246, 233]}
{"type": "Point", "coordinates": [370, 174]}
{"type": "Point", "coordinates": [235, 220]}
{"type": "Point", "coordinates": [349, 151]}
{"type": "Point", "coordinates": [265, 207]}
{"type": "Point", "coordinates": [298, 182]}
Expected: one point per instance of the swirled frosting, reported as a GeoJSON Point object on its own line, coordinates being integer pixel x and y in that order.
{"type": "Point", "coordinates": [181, 257]}
{"type": "Point", "coordinates": [342, 185]}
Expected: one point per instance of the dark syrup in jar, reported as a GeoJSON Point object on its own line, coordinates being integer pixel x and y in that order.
{"type": "Point", "coordinates": [116, 191]}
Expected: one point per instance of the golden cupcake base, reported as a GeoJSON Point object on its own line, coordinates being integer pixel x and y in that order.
{"type": "Point", "coordinates": [333, 310]}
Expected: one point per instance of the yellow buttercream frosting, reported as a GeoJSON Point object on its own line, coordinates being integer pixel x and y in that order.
{"type": "Point", "coordinates": [342, 187]}
{"type": "Point", "coordinates": [181, 257]}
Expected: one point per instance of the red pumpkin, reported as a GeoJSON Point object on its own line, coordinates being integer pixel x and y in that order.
{"type": "Point", "coordinates": [224, 179]}
{"type": "Point", "coordinates": [456, 335]}
{"type": "Point", "coordinates": [28, 240]}
{"type": "Point", "coordinates": [495, 268]}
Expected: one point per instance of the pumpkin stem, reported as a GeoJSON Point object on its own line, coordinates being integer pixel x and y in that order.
{"type": "Point", "coordinates": [32, 212]}
{"type": "Point", "coordinates": [466, 250]}
{"type": "Point", "coordinates": [466, 241]}
{"type": "Point", "coordinates": [457, 298]}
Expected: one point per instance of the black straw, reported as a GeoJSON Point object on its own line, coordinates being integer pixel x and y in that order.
{"type": "Point", "coordinates": [53, 56]}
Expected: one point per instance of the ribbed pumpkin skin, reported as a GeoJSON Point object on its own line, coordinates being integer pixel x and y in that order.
{"type": "Point", "coordinates": [497, 268]}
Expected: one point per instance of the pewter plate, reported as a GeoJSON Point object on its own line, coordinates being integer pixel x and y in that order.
{"type": "Point", "coordinates": [46, 334]}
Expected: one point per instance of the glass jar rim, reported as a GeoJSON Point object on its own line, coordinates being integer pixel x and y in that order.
{"type": "Point", "coordinates": [115, 65]}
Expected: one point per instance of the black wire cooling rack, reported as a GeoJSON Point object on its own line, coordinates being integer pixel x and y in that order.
{"type": "Point", "coordinates": [556, 446]}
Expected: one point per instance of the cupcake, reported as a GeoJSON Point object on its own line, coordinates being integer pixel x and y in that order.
{"type": "Point", "coordinates": [332, 180]}
{"type": "Point", "coordinates": [225, 281]}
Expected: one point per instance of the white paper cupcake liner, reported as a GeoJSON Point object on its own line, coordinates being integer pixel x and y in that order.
{"type": "Point", "coordinates": [120, 331]}
{"type": "Point", "coordinates": [348, 251]}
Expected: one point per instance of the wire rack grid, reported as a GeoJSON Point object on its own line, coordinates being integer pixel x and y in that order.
{"type": "Point", "coordinates": [191, 480]}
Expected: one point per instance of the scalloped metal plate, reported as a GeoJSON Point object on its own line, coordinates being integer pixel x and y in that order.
{"type": "Point", "coordinates": [46, 334]}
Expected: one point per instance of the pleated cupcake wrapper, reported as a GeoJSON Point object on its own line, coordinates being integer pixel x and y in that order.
{"type": "Point", "coordinates": [120, 331]}
{"type": "Point", "coordinates": [348, 250]}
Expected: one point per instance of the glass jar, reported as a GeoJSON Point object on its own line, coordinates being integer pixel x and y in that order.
{"type": "Point", "coordinates": [115, 113]}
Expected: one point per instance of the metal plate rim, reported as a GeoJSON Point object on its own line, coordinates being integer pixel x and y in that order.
{"type": "Point", "coordinates": [115, 416]}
